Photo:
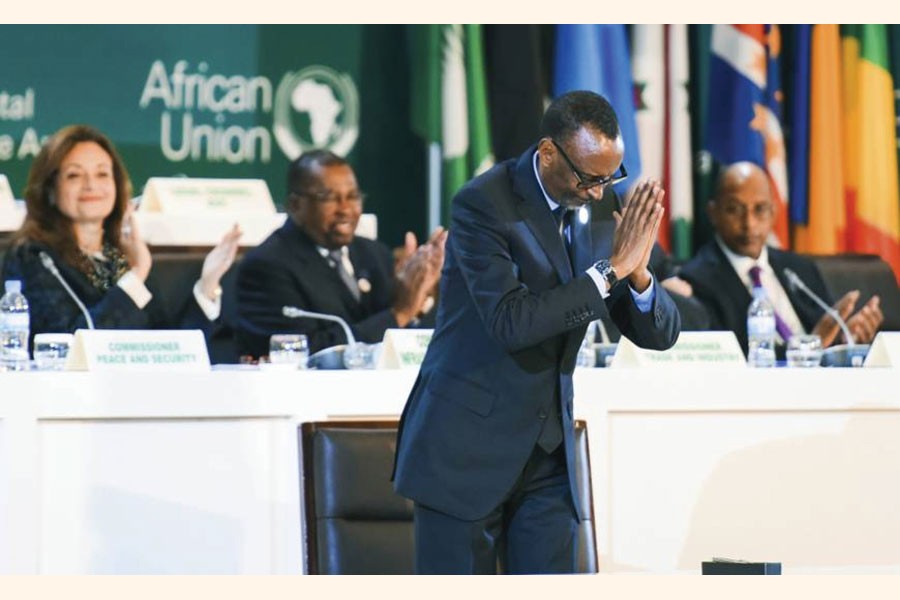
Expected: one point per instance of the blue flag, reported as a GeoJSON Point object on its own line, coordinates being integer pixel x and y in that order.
{"type": "Point", "coordinates": [596, 58]}
{"type": "Point", "coordinates": [798, 150]}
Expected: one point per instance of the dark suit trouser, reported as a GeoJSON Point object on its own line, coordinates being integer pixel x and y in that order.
{"type": "Point", "coordinates": [533, 531]}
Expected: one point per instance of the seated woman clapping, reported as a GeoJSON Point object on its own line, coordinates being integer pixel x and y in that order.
{"type": "Point", "coordinates": [79, 214]}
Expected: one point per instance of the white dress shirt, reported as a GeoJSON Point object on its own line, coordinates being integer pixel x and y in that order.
{"type": "Point", "coordinates": [774, 290]}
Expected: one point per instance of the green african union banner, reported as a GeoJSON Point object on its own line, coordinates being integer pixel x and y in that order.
{"type": "Point", "coordinates": [221, 101]}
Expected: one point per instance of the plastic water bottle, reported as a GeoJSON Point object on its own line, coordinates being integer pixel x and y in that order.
{"type": "Point", "coordinates": [587, 357]}
{"type": "Point", "coordinates": [14, 324]}
{"type": "Point", "coordinates": [761, 330]}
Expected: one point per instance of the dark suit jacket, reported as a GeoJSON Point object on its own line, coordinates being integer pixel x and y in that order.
{"type": "Point", "coordinates": [510, 320]}
{"type": "Point", "coordinates": [719, 287]}
{"type": "Point", "coordinates": [287, 270]}
{"type": "Point", "coordinates": [52, 310]}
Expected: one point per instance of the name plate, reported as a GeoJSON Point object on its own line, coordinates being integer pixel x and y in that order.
{"type": "Point", "coordinates": [404, 348]}
{"type": "Point", "coordinates": [6, 195]}
{"type": "Point", "coordinates": [885, 350]}
{"type": "Point", "coordinates": [200, 196]}
{"type": "Point", "coordinates": [138, 350]}
{"type": "Point", "coordinates": [693, 348]}
{"type": "Point", "coordinates": [11, 215]}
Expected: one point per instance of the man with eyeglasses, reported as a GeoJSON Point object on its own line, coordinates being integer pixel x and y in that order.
{"type": "Point", "coordinates": [486, 442]}
{"type": "Point", "coordinates": [317, 263]}
{"type": "Point", "coordinates": [724, 271]}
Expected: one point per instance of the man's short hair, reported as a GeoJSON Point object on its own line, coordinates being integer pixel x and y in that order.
{"type": "Point", "coordinates": [574, 110]}
{"type": "Point", "coordinates": [301, 175]}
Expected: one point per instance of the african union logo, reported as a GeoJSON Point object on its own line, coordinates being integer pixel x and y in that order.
{"type": "Point", "coordinates": [316, 107]}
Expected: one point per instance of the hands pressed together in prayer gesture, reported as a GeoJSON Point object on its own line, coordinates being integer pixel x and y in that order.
{"type": "Point", "coordinates": [417, 271]}
{"type": "Point", "coordinates": [636, 228]}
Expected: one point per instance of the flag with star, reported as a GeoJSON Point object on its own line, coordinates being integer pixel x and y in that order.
{"type": "Point", "coordinates": [745, 108]}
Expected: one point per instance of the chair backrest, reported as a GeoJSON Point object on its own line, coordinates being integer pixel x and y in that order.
{"type": "Point", "coordinates": [869, 274]}
{"type": "Point", "coordinates": [172, 280]}
{"type": "Point", "coordinates": [356, 524]}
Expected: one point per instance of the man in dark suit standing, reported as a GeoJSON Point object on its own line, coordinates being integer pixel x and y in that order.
{"type": "Point", "coordinates": [315, 262]}
{"type": "Point", "coordinates": [725, 269]}
{"type": "Point", "coordinates": [485, 447]}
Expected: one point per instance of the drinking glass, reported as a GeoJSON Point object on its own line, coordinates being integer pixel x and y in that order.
{"type": "Point", "coordinates": [359, 356]}
{"type": "Point", "coordinates": [51, 350]}
{"type": "Point", "coordinates": [289, 349]}
{"type": "Point", "coordinates": [804, 350]}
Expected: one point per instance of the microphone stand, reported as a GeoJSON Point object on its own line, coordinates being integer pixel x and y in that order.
{"type": "Point", "coordinates": [51, 266]}
{"type": "Point", "coordinates": [354, 355]}
{"type": "Point", "coordinates": [850, 354]}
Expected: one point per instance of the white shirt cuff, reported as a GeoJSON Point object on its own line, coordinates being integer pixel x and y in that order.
{"type": "Point", "coordinates": [599, 281]}
{"type": "Point", "coordinates": [211, 308]}
{"type": "Point", "coordinates": [132, 285]}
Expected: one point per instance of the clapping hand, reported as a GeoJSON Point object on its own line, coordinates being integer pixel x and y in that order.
{"type": "Point", "coordinates": [636, 229]}
{"type": "Point", "coordinates": [136, 250]}
{"type": "Point", "coordinates": [863, 325]}
{"type": "Point", "coordinates": [218, 261]}
{"type": "Point", "coordinates": [418, 270]}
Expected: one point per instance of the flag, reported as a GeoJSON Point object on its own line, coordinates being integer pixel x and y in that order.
{"type": "Point", "coordinates": [699, 57]}
{"type": "Point", "coordinates": [870, 145]}
{"type": "Point", "coordinates": [823, 231]}
{"type": "Point", "coordinates": [745, 107]}
{"type": "Point", "coordinates": [894, 44]}
{"type": "Point", "coordinates": [449, 102]}
{"type": "Point", "coordinates": [661, 111]}
{"type": "Point", "coordinates": [596, 58]}
{"type": "Point", "coordinates": [798, 133]}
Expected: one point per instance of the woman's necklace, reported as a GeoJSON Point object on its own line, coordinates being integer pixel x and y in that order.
{"type": "Point", "coordinates": [107, 266]}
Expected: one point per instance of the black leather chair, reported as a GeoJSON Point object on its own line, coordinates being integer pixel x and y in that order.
{"type": "Point", "coordinates": [356, 524]}
{"type": "Point", "coordinates": [867, 273]}
{"type": "Point", "coordinates": [172, 278]}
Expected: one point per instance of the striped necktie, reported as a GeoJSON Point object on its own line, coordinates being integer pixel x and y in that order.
{"type": "Point", "coordinates": [337, 259]}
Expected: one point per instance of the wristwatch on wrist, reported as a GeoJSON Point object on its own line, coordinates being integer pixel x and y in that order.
{"type": "Point", "coordinates": [605, 268]}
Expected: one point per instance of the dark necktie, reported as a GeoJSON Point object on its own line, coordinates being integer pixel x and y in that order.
{"type": "Point", "coordinates": [551, 435]}
{"type": "Point", "coordinates": [564, 220]}
{"type": "Point", "coordinates": [780, 325]}
{"type": "Point", "coordinates": [337, 261]}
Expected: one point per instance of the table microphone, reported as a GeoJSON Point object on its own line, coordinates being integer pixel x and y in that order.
{"type": "Point", "coordinates": [292, 312]}
{"type": "Point", "coordinates": [797, 284]}
{"type": "Point", "coordinates": [850, 354]}
{"type": "Point", "coordinates": [51, 266]}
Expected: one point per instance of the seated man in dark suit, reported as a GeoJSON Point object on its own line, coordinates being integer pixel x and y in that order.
{"type": "Point", "coordinates": [315, 262]}
{"type": "Point", "coordinates": [725, 270]}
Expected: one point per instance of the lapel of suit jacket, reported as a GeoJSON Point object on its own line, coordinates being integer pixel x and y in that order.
{"type": "Point", "coordinates": [726, 275]}
{"type": "Point", "coordinates": [807, 311]}
{"type": "Point", "coordinates": [536, 213]}
{"type": "Point", "coordinates": [363, 268]}
{"type": "Point", "coordinates": [312, 266]}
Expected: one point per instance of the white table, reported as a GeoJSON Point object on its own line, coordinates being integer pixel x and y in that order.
{"type": "Point", "coordinates": [198, 473]}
